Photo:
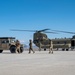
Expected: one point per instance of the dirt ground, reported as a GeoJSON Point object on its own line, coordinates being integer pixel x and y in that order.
{"type": "Point", "coordinates": [40, 63]}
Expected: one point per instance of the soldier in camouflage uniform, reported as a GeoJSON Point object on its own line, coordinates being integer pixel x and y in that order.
{"type": "Point", "coordinates": [51, 47]}
{"type": "Point", "coordinates": [39, 46]}
{"type": "Point", "coordinates": [18, 46]}
{"type": "Point", "coordinates": [30, 46]}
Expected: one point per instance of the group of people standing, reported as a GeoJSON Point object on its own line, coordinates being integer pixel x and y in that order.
{"type": "Point", "coordinates": [30, 47]}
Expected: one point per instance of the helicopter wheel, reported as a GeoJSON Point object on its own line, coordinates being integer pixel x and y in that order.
{"type": "Point", "coordinates": [44, 49]}
{"type": "Point", "coordinates": [67, 49]}
{"type": "Point", "coordinates": [63, 49]}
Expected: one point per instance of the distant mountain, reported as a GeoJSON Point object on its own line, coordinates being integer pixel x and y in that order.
{"type": "Point", "coordinates": [26, 46]}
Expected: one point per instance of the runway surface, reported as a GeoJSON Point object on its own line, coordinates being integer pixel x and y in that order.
{"type": "Point", "coordinates": [40, 63]}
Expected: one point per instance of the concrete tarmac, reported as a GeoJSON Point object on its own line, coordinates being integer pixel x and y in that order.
{"type": "Point", "coordinates": [40, 63]}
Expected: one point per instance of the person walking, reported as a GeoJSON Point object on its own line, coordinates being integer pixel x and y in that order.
{"type": "Point", "coordinates": [30, 46]}
{"type": "Point", "coordinates": [51, 47]}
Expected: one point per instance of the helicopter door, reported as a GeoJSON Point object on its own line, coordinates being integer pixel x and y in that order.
{"type": "Point", "coordinates": [0, 45]}
{"type": "Point", "coordinates": [73, 43]}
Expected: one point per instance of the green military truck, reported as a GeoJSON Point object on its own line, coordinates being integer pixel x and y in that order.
{"type": "Point", "coordinates": [8, 43]}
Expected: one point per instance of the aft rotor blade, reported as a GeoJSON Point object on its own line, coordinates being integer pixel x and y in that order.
{"type": "Point", "coordinates": [63, 31]}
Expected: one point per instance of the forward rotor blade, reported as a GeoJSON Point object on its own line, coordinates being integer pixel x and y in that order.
{"type": "Point", "coordinates": [43, 30]}
{"type": "Point", "coordinates": [23, 30]}
{"type": "Point", "coordinates": [63, 31]}
{"type": "Point", "coordinates": [30, 30]}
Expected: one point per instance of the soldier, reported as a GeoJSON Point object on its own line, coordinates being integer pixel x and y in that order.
{"type": "Point", "coordinates": [30, 46]}
{"type": "Point", "coordinates": [39, 46]}
{"type": "Point", "coordinates": [51, 47]}
{"type": "Point", "coordinates": [17, 46]}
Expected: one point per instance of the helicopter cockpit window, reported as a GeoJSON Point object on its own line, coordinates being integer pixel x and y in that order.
{"type": "Point", "coordinates": [46, 36]}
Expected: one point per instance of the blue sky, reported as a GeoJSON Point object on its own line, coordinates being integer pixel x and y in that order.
{"type": "Point", "coordinates": [36, 15]}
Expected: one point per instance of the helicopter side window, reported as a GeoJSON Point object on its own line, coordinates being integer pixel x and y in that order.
{"type": "Point", "coordinates": [57, 42]}
{"type": "Point", "coordinates": [65, 42]}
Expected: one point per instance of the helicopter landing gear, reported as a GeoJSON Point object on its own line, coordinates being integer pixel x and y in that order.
{"type": "Point", "coordinates": [44, 49]}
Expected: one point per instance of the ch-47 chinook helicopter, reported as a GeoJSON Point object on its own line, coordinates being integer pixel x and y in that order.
{"type": "Point", "coordinates": [41, 40]}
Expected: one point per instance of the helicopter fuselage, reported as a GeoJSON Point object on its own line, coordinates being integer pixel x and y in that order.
{"type": "Point", "coordinates": [42, 41]}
